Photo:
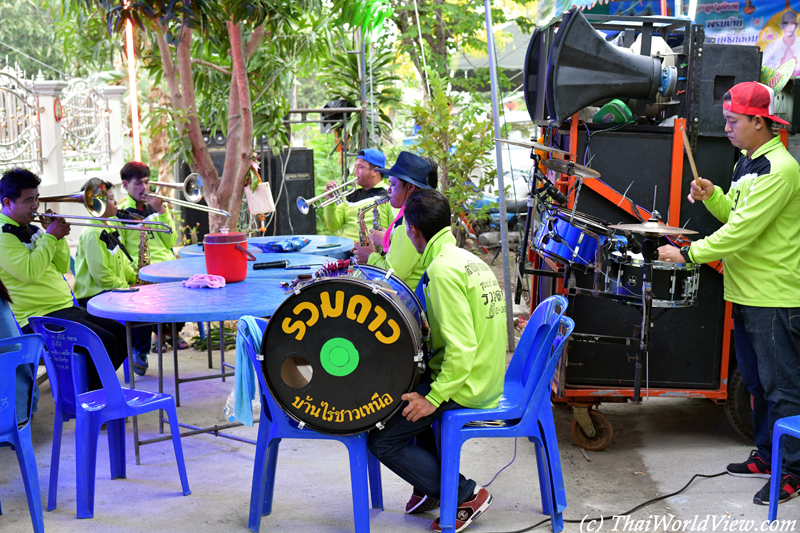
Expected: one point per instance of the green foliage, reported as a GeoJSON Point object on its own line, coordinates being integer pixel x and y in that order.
{"type": "Point", "coordinates": [341, 77]}
{"type": "Point", "coordinates": [457, 133]}
{"type": "Point", "coordinates": [446, 28]}
{"type": "Point", "coordinates": [26, 30]}
{"type": "Point", "coordinates": [86, 46]}
{"type": "Point", "coordinates": [296, 35]}
{"type": "Point", "coordinates": [367, 16]}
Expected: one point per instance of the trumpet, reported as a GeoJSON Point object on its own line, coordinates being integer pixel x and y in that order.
{"type": "Point", "coordinates": [304, 205]}
{"type": "Point", "coordinates": [193, 191]}
{"type": "Point", "coordinates": [95, 198]}
{"type": "Point", "coordinates": [192, 187]}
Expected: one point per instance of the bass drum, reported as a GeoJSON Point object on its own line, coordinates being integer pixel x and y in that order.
{"type": "Point", "coordinates": [340, 352]}
{"type": "Point", "coordinates": [404, 292]}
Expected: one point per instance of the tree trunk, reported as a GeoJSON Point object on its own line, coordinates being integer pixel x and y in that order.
{"type": "Point", "coordinates": [232, 189]}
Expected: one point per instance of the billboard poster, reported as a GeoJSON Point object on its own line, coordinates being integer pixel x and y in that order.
{"type": "Point", "coordinates": [769, 24]}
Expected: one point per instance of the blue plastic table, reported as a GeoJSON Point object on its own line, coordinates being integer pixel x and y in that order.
{"type": "Point", "coordinates": [337, 247]}
{"type": "Point", "coordinates": [179, 270]}
{"type": "Point", "coordinates": [167, 303]}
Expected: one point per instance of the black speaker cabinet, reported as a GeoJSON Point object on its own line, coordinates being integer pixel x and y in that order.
{"type": "Point", "coordinates": [686, 343]}
{"type": "Point", "coordinates": [785, 108]}
{"type": "Point", "coordinates": [715, 69]}
{"type": "Point", "coordinates": [297, 180]}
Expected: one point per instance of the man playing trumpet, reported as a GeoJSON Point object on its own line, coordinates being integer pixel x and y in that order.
{"type": "Point", "coordinates": [341, 219]}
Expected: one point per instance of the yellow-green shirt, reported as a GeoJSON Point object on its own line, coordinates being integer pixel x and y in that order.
{"type": "Point", "coordinates": [32, 267]}
{"type": "Point", "coordinates": [159, 244]}
{"type": "Point", "coordinates": [759, 243]}
{"type": "Point", "coordinates": [100, 263]}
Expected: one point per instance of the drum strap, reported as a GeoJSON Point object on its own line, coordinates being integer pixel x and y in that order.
{"type": "Point", "coordinates": [420, 290]}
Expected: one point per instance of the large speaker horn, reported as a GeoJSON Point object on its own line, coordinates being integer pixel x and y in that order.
{"type": "Point", "coordinates": [585, 69]}
{"type": "Point", "coordinates": [534, 76]}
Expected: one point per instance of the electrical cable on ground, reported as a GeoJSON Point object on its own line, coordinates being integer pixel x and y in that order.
{"type": "Point", "coordinates": [633, 510]}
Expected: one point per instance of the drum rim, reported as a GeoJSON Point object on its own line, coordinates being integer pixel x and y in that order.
{"type": "Point", "coordinates": [657, 265]}
{"type": "Point", "coordinates": [592, 220]}
{"type": "Point", "coordinates": [416, 336]}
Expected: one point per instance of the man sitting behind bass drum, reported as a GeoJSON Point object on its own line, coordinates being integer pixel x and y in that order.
{"type": "Point", "coordinates": [467, 315]}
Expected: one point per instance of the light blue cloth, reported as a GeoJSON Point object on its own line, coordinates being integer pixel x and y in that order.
{"type": "Point", "coordinates": [244, 376]}
{"type": "Point", "coordinates": [26, 376]}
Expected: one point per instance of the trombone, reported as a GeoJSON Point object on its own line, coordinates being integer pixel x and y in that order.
{"type": "Point", "coordinates": [192, 188]}
{"type": "Point", "coordinates": [94, 198]}
{"type": "Point", "coordinates": [304, 205]}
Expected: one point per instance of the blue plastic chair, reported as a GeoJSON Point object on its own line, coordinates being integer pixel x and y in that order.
{"type": "Point", "coordinates": [110, 406]}
{"type": "Point", "coordinates": [24, 350]}
{"type": "Point", "coordinates": [274, 425]}
{"type": "Point", "coordinates": [789, 425]}
{"type": "Point", "coordinates": [524, 406]}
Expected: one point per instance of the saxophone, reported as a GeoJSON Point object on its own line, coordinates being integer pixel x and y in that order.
{"type": "Point", "coordinates": [363, 240]}
{"type": "Point", "coordinates": [144, 256]}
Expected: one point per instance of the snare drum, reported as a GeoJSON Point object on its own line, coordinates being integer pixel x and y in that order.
{"type": "Point", "coordinates": [570, 239]}
{"type": "Point", "coordinates": [673, 284]}
{"type": "Point", "coordinates": [340, 352]}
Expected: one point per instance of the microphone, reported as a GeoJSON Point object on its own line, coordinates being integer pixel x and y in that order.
{"type": "Point", "coordinates": [634, 245]}
{"type": "Point", "coordinates": [551, 191]}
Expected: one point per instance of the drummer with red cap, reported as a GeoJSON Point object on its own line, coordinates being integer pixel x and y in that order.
{"type": "Point", "coordinates": [759, 245]}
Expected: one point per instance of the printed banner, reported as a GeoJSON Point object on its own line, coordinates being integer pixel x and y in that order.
{"type": "Point", "coordinates": [768, 24]}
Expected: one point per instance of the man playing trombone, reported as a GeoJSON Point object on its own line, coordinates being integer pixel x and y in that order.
{"type": "Point", "coordinates": [341, 218]}
{"type": "Point", "coordinates": [136, 181]}
{"type": "Point", "coordinates": [103, 263]}
{"type": "Point", "coordinates": [140, 205]}
{"type": "Point", "coordinates": [33, 263]}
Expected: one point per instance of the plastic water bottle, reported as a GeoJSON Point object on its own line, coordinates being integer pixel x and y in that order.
{"type": "Point", "coordinates": [228, 411]}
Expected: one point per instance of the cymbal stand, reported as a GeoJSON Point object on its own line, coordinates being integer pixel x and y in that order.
{"type": "Point", "coordinates": [650, 252]}
{"type": "Point", "coordinates": [535, 200]}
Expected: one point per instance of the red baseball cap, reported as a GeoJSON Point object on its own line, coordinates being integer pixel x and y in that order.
{"type": "Point", "coordinates": [752, 98]}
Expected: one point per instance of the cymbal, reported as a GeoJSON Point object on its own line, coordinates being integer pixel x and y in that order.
{"type": "Point", "coordinates": [653, 228]}
{"type": "Point", "coordinates": [569, 168]}
{"type": "Point", "coordinates": [534, 145]}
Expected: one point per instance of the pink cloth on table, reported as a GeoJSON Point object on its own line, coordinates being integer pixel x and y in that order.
{"type": "Point", "coordinates": [387, 237]}
{"type": "Point", "coordinates": [203, 281]}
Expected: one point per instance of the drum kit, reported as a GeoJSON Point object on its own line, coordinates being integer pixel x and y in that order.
{"type": "Point", "coordinates": [624, 270]}
{"type": "Point", "coordinates": [343, 348]}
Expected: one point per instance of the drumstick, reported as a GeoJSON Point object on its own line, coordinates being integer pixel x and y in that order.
{"type": "Point", "coordinates": [688, 148]}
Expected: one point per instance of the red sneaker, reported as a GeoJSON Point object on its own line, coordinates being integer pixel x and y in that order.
{"type": "Point", "coordinates": [468, 511]}
{"type": "Point", "coordinates": [421, 503]}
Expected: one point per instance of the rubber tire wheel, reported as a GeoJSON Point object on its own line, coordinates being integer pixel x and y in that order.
{"type": "Point", "coordinates": [739, 407]}
{"type": "Point", "coordinates": [602, 437]}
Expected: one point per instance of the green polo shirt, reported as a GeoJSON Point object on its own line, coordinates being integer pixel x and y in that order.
{"type": "Point", "coordinates": [32, 267]}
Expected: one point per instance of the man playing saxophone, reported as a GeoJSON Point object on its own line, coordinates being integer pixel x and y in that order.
{"type": "Point", "coordinates": [342, 219]}
{"type": "Point", "coordinates": [409, 174]}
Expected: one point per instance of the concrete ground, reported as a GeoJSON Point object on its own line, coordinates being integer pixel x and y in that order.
{"type": "Point", "coordinates": [656, 448]}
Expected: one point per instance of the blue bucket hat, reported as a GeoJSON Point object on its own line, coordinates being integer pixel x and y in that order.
{"type": "Point", "coordinates": [410, 168]}
{"type": "Point", "coordinates": [372, 156]}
